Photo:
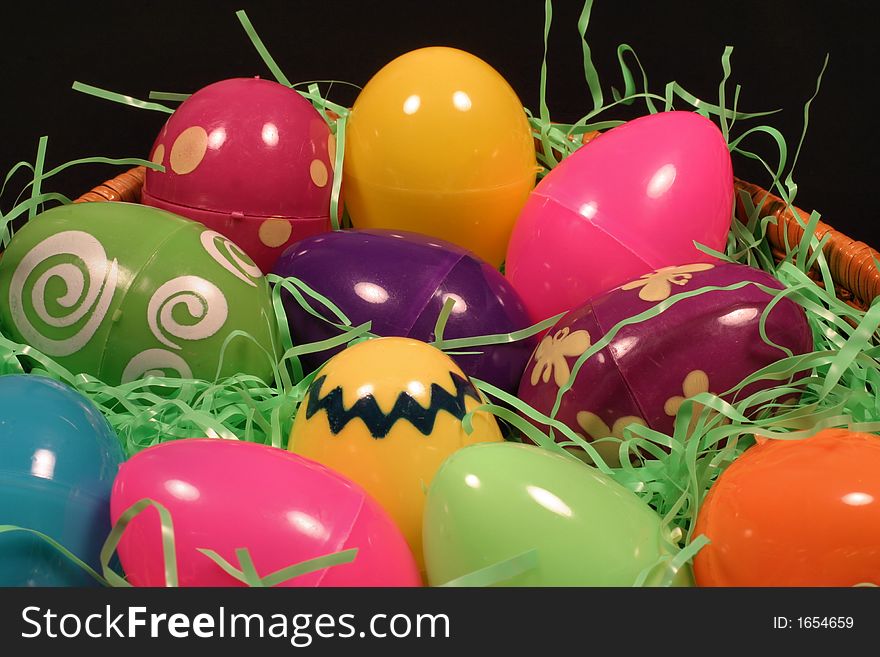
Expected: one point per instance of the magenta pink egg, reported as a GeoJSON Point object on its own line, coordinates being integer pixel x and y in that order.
{"type": "Point", "coordinates": [227, 494]}
{"type": "Point", "coordinates": [249, 158]}
{"type": "Point", "coordinates": [633, 200]}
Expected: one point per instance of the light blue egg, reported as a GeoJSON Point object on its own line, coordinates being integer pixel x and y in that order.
{"type": "Point", "coordinates": [58, 459]}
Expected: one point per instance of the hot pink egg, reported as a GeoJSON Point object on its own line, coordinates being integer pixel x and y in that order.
{"type": "Point", "coordinates": [632, 201]}
{"type": "Point", "coordinates": [249, 158]}
{"type": "Point", "coordinates": [227, 494]}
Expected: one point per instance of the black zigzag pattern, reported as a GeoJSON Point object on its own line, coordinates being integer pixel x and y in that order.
{"type": "Point", "coordinates": [405, 408]}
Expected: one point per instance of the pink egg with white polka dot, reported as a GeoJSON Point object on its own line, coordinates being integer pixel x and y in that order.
{"type": "Point", "coordinates": [249, 158]}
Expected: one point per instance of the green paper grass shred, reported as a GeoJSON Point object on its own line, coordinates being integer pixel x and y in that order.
{"type": "Point", "coordinates": [498, 572]}
{"type": "Point", "coordinates": [839, 384]}
{"type": "Point", "coordinates": [247, 574]}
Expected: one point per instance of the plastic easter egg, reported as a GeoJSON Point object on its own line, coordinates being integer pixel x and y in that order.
{"type": "Point", "coordinates": [400, 281]}
{"type": "Point", "coordinates": [634, 199]}
{"type": "Point", "coordinates": [705, 343]}
{"type": "Point", "coordinates": [492, 502]}
{"type": "Point", "coordinates": [438, 143]}
{"type": "Point", "coordinates": [386, 413]}
{"type": "Point", "coordinates": [795, 513]}
{"type": "Point", "coordinates": [224, 495]}
{"type": "Point", "coordinates": [120, 291]}
{"type": "Point", "coordinates": [58, 457]}
{"type": "Point", "coordinates": [249, 158]}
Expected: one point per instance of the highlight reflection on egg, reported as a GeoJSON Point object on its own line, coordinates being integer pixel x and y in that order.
{"type": "Point", "coordinates": [495, 501]}
{"type": "Point", "coordinates": [399, 282]}
{"type": "Point", "coordinates": [386, 413]}
{"type": "Point", "coordinates": [795, 513]}
{"type": "Point", "coordinates": [58, 457]}
{"type": "Point", "coordinates": [122, 291]}
{"type": "Point", "coordinates": [249, 158]}
{"type": "Point", "coordinates": [438, 143]}
{"type": "Point", "coordinates": [633, 200]}
{"type": "Point", "coordinates": [228, 494]}
{"type": "Point", "coordinates": [650, 367]}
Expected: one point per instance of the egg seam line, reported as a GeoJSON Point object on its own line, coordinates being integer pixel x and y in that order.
{"type": "Point", "coordinates": [619, 370]}
{"type": "Point", "coordinates": [133, 283]}
{"type": "Point", "coordinates": [342, 543]}
{"type": "Point", "coordinates": [431, 190]}
{"type": "Point", "coordinates": [230, 213]}
{"type": "Point", "coordinates": [431, 296]}
{"type": "Point", "coordinates": [650, 267]}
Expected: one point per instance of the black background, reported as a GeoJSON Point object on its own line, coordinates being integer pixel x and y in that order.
{"type": "Point", "coordinates": [137, 46]}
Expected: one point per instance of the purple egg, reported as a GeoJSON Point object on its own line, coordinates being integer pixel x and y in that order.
{"type": "Point", "coordinates": [400, 281]}
{"type": "Point", "coordinates": [706, 343]}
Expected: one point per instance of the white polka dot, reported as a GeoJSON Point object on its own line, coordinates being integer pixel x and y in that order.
{"type": "Point", "coordinates": [331, 150]}
{"type": "Point", "coordinates": [274, 231]}
{"type": "Point", "coordinates": [318, 171]}
{"type": "Point", "coordinates": [158, 154]}
{"type": "Point", "coordinates": [188, 150]}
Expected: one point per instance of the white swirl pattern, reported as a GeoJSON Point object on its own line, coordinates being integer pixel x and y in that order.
{"type": "Point", "coordinates": [234, 260]}
{"type": "Point", "coordinates": [154, 362]}
{"type": "Point", "coordinates": [85, 298]}
{"type": "Point", "coordinates": [204, 302]}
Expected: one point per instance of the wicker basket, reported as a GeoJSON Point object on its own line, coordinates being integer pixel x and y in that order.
{"type": "Point", "coordinates": [852, 263]}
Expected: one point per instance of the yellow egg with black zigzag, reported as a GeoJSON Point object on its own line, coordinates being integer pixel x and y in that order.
{"type": "Point", "coordinates": [386, 413]}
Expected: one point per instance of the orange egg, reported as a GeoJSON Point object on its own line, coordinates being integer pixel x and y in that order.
{"type": "Point", "coordinates": [795, 513]}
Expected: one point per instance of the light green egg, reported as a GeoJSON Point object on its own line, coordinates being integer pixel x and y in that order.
{"type": "Point", "coordinates": [491, 502]}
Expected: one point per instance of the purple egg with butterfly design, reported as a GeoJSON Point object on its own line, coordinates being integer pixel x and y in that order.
{"type": "Point", "coordinates": [708, 342]}
{"type": "Point", "coordinates": [400, 281]}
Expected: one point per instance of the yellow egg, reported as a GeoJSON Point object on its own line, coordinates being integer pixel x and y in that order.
{"type": "Point", "coordinates": [386, 413]}
{"type": "Point", "coordinates": [438, 143]}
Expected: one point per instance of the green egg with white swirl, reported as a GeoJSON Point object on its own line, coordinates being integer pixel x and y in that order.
{"type": "Point", "coordinates": [122, 291]}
